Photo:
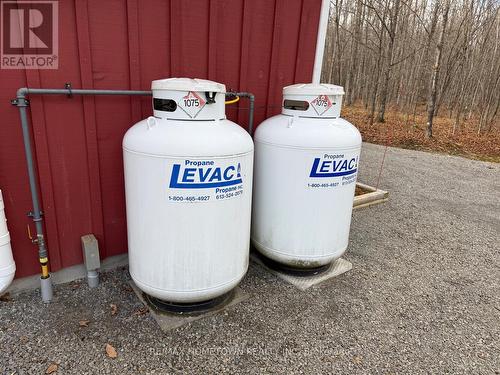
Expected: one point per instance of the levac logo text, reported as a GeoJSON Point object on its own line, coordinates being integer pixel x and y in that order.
{"type": "Point", "coordinates": [334, 166]}
{"type": "Point", "coordinates": [203, 174]}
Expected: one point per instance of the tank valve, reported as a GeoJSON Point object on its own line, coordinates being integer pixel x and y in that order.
{"type": "Point", "coordinates": [210, 97]}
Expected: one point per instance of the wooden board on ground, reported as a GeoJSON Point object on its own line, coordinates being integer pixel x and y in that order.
{"type": "Point", "coordinates": [370, 196]}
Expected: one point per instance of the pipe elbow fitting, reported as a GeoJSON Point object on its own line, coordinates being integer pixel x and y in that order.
{"type": "Point", "coordinates": [22, 92]}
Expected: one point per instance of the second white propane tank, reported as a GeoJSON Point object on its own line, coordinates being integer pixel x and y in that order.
{"type": "Point", "coordinates": [188, 185]}
{"type": "Point", "coordinates": [306, 162]}
{"type": "Point", "coordinates": [7, 264]}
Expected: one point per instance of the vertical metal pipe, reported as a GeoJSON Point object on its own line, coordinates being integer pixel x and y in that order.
{"type": "Point", "coordinates": [320, 41]}
{"type": "Point", "coordinates": [250, 115]}
{"type": "Point", "coordinates": [46, 284]}
{"type": "Point", "coordinates": [251, 98]}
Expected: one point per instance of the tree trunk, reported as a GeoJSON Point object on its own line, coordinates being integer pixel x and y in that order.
{"type": "Point", "coordinates": [338, 8]}
{"type": "Point", "coordinates": [354, 55]}
{"type": "Point", "coordinates": [377, 76]}
{"type": "Point", "coordinates": [388, 68]}
{"type": "Point", "coordinates": [435, 74]}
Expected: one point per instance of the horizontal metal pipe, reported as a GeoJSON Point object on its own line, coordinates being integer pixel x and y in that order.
{"type": "Point", "coordinates": [22, 92]}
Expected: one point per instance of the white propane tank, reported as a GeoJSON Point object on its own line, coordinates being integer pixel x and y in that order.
{"type": "Point", "coordinates": [306, 162]}
{"type": "Point", "coordinates": [188, 185]}
{"type": "Point", "coordinates": [7, 265]}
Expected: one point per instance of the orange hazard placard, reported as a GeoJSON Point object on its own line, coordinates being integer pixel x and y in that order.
{"type": "Point", "coordinates": [321, 104]}
{"type": "Point", "coordinates": [192, 104]}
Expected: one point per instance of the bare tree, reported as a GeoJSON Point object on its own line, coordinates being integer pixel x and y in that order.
{"type": "Point", "coordinates": [432, 56]}
{"type": "Point", "coordinates": [354, 55]}
{"type": "Point", "coordinates": [435, 74]}
{"type": "Point", "coordinates": [391, 30]}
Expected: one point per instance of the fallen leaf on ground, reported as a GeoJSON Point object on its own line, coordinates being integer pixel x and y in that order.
{"type": "Point", "coordinates": [357, 360]}
{"type": "Point", "coordinates": [6, 297]}
{"type": "Point", "coordinates": [52, 368]}
{"type": "Point", "coordinates": [114, 308]}
{"type": "Point", "coordinates": [111, 351]}
{"type": "Point", "coordinates": [141, 311]}
{"type": "Point", "coordinates": [84, 323]}
{"type": "Point", "coordinates": [482, 355]}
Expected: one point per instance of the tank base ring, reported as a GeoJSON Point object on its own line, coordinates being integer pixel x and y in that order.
{"type": "Point", "coordinates": [188, 308]}
{"type": "Point", "coordinates": [292, 271]}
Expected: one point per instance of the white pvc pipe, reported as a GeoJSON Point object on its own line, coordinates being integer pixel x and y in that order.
{"type": "Point", "coordinates": [7, 265]}
{"type": "Point", "coordinates": [320, 41]}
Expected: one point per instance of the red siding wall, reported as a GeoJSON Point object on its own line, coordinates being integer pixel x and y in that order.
{"type": "Point", "coordinates": [252, 45]}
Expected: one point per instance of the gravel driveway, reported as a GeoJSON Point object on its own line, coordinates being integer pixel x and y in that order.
{"type": "Point", "coordinates": [423, 297]}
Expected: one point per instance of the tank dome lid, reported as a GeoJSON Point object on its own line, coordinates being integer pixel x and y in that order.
{"type": "Point", "coordinates": [313, 89]}
{"type": "Point", "coordinates": [187, 84]}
